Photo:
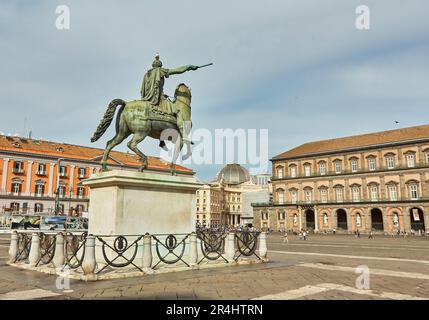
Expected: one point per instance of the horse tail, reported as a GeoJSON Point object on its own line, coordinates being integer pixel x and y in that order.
{"type": "Point", "coordinates": [107, 119]}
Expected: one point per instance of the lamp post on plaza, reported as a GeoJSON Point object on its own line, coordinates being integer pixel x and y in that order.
{"type": "Point", "coordinates": [57, 195]}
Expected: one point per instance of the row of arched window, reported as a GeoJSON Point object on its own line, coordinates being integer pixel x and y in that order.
{"type": "Point", "coordinates": [355, 165]}
{"type": "Point", "coordinates": [338, 193]}
{"type": "Point", "coordinates": [39, 208]}
{"type": "Point", "coordinates": [40, 189]}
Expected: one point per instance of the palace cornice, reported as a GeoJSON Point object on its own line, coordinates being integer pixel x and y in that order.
{"type": "Point", "coordinates": [349, 150]}
{"type": "Point", "coordinates": [68, 160]}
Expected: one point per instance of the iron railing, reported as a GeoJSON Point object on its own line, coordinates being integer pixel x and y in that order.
{"type": "Point", "coordinates": [128, 252]}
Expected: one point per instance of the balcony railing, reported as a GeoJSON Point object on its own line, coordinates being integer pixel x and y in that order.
{"type": "Point", "coordinates": [349, 172]}
{"type": "Point", "coordinates": [18, 170]}
{"type": "Point", "coordinates": [344, 202]}
{"type": "Point", "coordinates": [41, 173]}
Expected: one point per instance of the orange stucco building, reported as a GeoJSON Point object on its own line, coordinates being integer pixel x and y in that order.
{"type": "Point", "coordinates": [32, 172]}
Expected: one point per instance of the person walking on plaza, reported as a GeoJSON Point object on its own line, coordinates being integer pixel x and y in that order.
{"type": "Point", "coordinates": [370, 235]}
{"type": "Point", "coordinates": [334, 231]}
{"type": "Point", "coordinates": [285, 239]}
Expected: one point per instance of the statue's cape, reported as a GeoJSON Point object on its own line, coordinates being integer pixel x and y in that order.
{"type": "Point", "coordinates": [153, 83]}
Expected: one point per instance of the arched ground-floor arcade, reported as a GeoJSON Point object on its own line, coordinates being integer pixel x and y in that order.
{"type": "Point", "coordinates": [378, 218]}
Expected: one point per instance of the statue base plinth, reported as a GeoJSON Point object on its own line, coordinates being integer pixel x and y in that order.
{"type": "Point", "coordinates": [134, 203]}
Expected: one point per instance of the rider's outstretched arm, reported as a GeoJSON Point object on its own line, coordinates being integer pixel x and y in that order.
{"type": "Point", "coordinates": [182, 69]}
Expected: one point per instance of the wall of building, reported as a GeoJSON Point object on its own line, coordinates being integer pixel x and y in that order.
{"type": "Point", "coordinates": [364, 187]}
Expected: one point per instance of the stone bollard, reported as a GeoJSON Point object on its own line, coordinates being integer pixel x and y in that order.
{"type": "Point", "coordinates": [34, 255]}
{"type": "Point", "coordinates": [13, 249]}
{"type": "Point", "coordinates": [147, 253]}
{"type": "Point", "coordinates": [193, 250]}
{"type": "Point", "coordinates": [230, 253]}
{"type": "Point", "coordinates": [89, 264]}
{"type": "Point", "coordinates": [59, 257]}
{"type": "Point", "coordinates": [263, 245]}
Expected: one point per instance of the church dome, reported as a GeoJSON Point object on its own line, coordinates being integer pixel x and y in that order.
{"type": "Point", "coordinates": [233, 174]}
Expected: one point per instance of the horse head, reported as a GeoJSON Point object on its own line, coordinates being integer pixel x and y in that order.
{"type": "Point", "coordinates": [182, 90]}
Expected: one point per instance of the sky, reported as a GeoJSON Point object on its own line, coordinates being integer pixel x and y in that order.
{"type": "Point", "coordinates": [300, 69]}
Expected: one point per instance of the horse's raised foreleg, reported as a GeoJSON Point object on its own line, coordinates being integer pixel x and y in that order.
{"type": "Point", "coordinates": [137, 138]}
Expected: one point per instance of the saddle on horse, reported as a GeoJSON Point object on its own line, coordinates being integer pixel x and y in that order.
{"type": "Point", "coordinates": [162, 112]}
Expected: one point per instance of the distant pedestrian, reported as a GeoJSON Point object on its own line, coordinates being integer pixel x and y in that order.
{"type": "Point", "coordinates": [358, 234]}
{"type": "Point", "coordinates": [370, 235]}
{"type": "Point", "coordinates": [285, 239]}
{"type": "Point", "coordinates": [334, 231]}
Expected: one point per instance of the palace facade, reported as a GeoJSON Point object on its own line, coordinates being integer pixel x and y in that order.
{"type": "Point", "coordinates": [226, 201]}
{"type": "Point", "coordinates": [377, 181]}
{"type": "Point", "coordinates": [33, 172]}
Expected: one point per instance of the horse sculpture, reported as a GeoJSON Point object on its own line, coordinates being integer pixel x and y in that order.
{"type": "Point", "coordinates": [142, 119]}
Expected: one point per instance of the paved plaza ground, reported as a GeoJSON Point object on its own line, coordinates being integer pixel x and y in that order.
{"type": "Point", "coordinates": [323, 267]}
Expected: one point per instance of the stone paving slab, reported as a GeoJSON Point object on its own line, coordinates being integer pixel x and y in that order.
{"type": "Point", "coordinates": [284, 272]}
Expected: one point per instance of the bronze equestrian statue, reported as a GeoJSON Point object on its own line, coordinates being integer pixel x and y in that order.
{"type": "Point", "coordinates": [151, 115]}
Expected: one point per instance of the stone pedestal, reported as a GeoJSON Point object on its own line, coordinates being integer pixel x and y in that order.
{"type": "Point", "coordinates": [134, 203]}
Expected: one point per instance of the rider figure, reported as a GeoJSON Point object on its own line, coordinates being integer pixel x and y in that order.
{"type": "Point", "coordinates": [152, 89]}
